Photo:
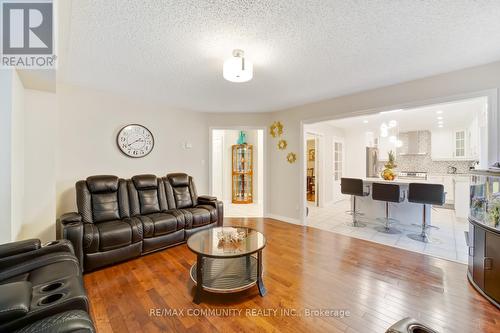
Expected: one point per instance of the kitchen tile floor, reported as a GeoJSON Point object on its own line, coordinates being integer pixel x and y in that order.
{"type": "Point", "coordinates": [450, 234]}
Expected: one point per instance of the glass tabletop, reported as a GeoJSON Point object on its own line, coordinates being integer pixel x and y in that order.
{"type": "Point", "coordinates": [209, 242]}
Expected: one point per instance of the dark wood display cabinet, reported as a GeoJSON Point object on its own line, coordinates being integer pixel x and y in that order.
{"type": "Point", "coordinates": [483, 237]}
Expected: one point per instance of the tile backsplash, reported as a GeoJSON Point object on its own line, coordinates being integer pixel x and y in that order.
{"type": "Point", "coordinates": [424, 163]}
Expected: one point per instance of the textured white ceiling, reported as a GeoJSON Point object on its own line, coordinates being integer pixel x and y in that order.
{"type": "Point", "coordinates": [303, 51]}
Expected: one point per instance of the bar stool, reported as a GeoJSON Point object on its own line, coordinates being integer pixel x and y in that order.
{"type": "Point", "coordinates": [355, 188]}
{"type": "Point", "coordinates": [426, 194]}
{"type": "Point", "coordinates": [387, 193]}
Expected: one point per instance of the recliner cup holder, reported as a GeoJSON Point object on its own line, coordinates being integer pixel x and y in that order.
{"type": "Point", "coordinates": [47, 300]}
{"type": "Point", "coordinates": [51, 287]}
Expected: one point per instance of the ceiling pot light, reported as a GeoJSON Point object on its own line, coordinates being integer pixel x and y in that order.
{"type": "Point", "coordinates": [237, 68]}
{"type": "Point", "coordinates": [440, 122]}
{"type": "Point", "coordinates": [439, 118]}
{"type": "Point", "coordinates": [439, 111]}
{"type": "Point", "coordinates": [365, 121]}
{"type": "Point", "coordinates": [440, 126]}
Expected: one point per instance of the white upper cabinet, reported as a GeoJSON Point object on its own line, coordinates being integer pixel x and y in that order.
{"type": "Point", "coordinates": [442, 145]}
{"type": "Point", "coordinates": [456, 144]}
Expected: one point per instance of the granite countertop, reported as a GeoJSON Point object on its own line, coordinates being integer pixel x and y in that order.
{"type": "Point", "coordinates": [397, 181]}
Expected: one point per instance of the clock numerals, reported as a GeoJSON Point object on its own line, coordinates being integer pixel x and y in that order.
{"type": "Point", "coordinates": [135, 141]}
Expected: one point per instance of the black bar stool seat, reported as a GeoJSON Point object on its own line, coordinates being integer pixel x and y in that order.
{"type": "Point", "coordinates": [425, 194]}
{"type": "Point", "coordinates": [355, 188]}
{"type": "Point", "coordinates": [387, 193]}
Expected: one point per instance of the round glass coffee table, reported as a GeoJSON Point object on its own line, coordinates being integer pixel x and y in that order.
{"type": "Point", "coordinates": [226, 267]}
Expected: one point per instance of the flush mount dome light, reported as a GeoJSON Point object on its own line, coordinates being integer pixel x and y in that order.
{"type": "Point", "coordinates": [237, 68]}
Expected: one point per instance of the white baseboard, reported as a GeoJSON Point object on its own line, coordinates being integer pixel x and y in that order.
{"type": "Point", "coordinates": [284, 219]}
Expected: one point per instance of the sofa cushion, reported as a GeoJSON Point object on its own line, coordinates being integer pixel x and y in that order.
{"type": "Point", "coordinates": [212, 210]}
{"type": "Point", "coordinates": [105, 206]}
{"type": "Point", "coordinates": [178, 179]}
{"type": "Point", "coordinates": [102, 184]}
{"type": "Point", "coordinates": [159, 224]}
{"type": "Point", "coordinates": [182, 197]}
{"type": "Point", "coordinates": [198, 216]}
{"type": "Point", "coordinates": [114, 234]}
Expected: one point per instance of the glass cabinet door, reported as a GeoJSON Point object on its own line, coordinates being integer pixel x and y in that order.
{"type": "Point", "coordinates": [242, 173]}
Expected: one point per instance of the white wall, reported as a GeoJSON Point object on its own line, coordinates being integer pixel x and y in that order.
{"type": "Point", "coordinates": [17, 162]}
{"type": "Point", "coordinates": [12, 157]}
{"type": "Point", "coordinates": [40, 158]}
{"type": "Point", "coordinates": [5, 157]}
{"type": "Point", "coordinates": [89, 121]}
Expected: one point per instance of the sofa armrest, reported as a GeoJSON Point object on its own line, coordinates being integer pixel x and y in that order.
{"type": "Point", "coordinates": [70, 218]}
{"type": "Point", "coordinates": [70, 226]}
{"type": "Point", "coordinates": [219, 205]}
{"type": "Point", "coordinates": [62, 246]}
{"type": "Point", "coordinates": [15, 301]}
{"type": "Point", "coordinates": [10, 249]}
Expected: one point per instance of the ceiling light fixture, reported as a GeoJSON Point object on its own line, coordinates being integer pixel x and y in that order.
{"type": "Point", "coordinates": [440, 126]}
{"type": "Point", "coordinates": [237, 68]}
{"type": "Point", "coordinates": [440, 118]}
{"type": "Point", "coordinates": [439, 111]}
{"type": "Point", "coordinates": [440, 122]}
{"type": "Point", "coordinates": [365, 121]}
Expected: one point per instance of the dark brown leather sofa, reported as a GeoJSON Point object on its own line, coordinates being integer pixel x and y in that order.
{"type": "Point", "coordinates": [41, 288]}
{"type": "Point", "coordinates": [120, 219]}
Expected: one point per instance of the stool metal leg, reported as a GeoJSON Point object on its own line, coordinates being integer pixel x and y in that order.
{"type": "Point", "coordinates": [423, 236]}
{"type": "Point", "coordinates": [355, 223]}
{"type": "Point", "coordinates": [387, 221]}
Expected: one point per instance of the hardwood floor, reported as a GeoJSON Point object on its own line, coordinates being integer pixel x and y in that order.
{"type": "Point", "coordinates": [304, 268]}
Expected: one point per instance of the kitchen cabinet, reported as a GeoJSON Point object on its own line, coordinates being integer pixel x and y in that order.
{"type": "Point", "coordinates": [442, 145]}
{"type": "Point", "coordinates": [462, 195]}
{"type": "Point", "coordinates": [455, 145]}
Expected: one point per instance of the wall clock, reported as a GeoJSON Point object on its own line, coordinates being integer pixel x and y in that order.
{"type": "Point", "coordinates": [135, 140]}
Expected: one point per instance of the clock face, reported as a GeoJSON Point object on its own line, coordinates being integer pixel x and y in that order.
{"type": "Point", "coordinates": [135, 140]}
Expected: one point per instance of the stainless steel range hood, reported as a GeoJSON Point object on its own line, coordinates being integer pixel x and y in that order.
{"type": "Point", "coordinates": [413, 143]}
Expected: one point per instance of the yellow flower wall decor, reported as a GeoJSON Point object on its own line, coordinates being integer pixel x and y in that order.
{"type": "Point", "coordinates": [282, 144]}
{"type": "Point", "coordinates": [276, 129]}
{"type": "Point", "coordinates": [291, 157]}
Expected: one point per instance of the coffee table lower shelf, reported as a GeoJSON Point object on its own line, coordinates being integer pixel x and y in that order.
{"type": "Point", "coordinates": [228, 275]}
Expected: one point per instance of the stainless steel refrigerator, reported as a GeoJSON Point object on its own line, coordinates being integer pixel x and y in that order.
{"type": "Point", "coordinates": [372, 162]}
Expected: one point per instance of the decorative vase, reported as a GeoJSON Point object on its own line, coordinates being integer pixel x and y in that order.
{"type": "Point", "coordinates": [242, 139]}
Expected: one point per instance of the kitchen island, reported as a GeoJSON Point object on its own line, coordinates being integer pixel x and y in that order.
{"type": "Point", "coordinates": [406, 212]}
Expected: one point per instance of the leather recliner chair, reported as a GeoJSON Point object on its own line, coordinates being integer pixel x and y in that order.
{"type": "Point", "coordinates": [102, 231]}
{"type": "Point", "coordinates": [121, 219]}
{"type": "Point", "coordinates": [161, 227]}
{"type": "Point", "coordinates": [41, 288]}
{"type": "Point", "coordinates": [28, 260]}
{"type": "Point", "coordinates": [199, 212]}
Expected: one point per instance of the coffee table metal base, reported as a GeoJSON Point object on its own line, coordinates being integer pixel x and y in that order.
{"type": "Point", "coordinates": [228, 275]}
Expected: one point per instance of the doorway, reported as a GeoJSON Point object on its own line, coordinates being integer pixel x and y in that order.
{"type": "Point", "coordinates": [237, 170]}
{"type": "Point", "coordinates": [338, 168]}
{"type": "Point", "coordinates": [312, 169]}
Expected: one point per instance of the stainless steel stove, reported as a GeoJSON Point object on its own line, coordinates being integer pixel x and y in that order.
{"type": "Point", "coordinates": [412, 175]}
